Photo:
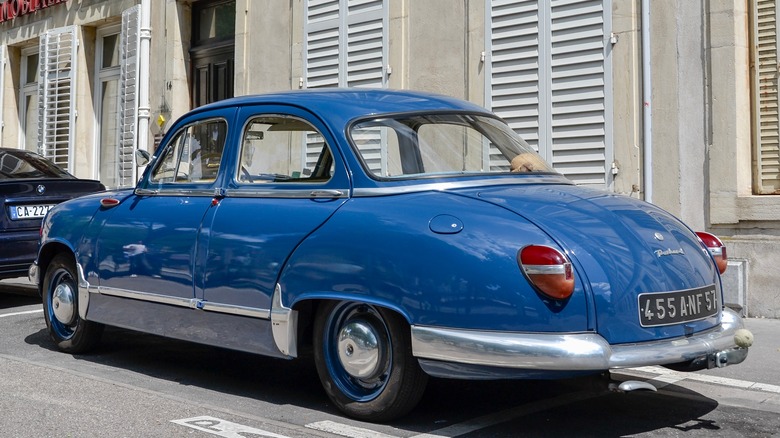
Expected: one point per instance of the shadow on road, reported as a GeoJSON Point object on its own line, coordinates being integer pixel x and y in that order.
{"type": "Point", "coordinates": [11, 298]}
{"type": "Point", "coordinates": [581, 407]}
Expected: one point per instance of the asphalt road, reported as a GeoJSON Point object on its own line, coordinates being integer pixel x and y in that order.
{"type": "Point", "coordinates": [138, 385]}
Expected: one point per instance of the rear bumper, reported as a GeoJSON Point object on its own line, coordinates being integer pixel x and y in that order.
{"type": "Point", "coordinates": [576, 352]}
{"type": "Point", "coordinates": [17, 251]}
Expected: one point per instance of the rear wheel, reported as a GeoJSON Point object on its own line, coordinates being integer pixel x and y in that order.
{"type": "Point", "coordinates": [364, 359]}
{"type": "Point", "coordinates": [60, 308]}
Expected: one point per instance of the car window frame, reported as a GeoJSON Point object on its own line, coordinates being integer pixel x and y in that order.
{"type": "Point", "coordinates": [147, 186]}
{"type": "Point", "coordinates": [339, 184]}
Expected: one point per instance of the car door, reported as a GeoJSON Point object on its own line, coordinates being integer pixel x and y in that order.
{"type": "Point", "coordinates": [147, 246]}
{"type": "Point", "coordinates": [288, 180]}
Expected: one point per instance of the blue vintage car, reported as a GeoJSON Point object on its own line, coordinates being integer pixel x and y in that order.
{"type": "Point", "coordinates": [400, 235]}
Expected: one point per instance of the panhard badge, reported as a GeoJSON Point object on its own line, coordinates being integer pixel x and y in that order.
{"type": "Point", "coordinates": [41, 189]}
{"type": "Point", "coordinates": [659, 237]}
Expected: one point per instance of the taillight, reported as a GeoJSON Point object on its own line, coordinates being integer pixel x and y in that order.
{"type": "Point", "coordinates": [548, 270]}
{"type": "Point", "coordinates": [716, 248]}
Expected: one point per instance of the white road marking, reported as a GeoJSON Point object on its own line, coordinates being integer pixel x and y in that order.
{"type": "Point", "coordinates": [21, 313]}
{"type": "Point", "coordinates": [346, 430]}
{"type": "Point", "coordinates": [668, 374]}
{"type": "Point", "coordinates": [224, 428]}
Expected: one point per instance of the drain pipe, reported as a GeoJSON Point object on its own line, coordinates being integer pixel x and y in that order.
{"type": "Point", "coordinates": [2, 87]}
{"type": "Point", "coordinates": [144, 109]}
{"type": "Point", "coordinates": [647, 114]}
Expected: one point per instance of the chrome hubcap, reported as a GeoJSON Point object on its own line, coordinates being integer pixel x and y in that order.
{"type": "Point", "coordinates": [62, 303]}
{"type": "Point", "coordinates": [359, 350]}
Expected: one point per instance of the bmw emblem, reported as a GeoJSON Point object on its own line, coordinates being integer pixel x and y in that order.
{"type": "Point", "coordinates": [40, 189]}
{"type": "Point", "coordinates": [658, 236]}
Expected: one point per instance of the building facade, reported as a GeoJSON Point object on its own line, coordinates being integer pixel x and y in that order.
{"type": "Point", "coordinates": [670, 100]}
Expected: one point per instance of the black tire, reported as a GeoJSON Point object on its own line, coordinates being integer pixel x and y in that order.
{"type": "Point", "coordinates": [364, 359]}
{"type": "Point", "coordinates": [60, 308]}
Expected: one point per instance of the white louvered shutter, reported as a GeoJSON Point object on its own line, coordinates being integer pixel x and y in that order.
{"type": "Point", "coordinates": [56, 95]}
{"type": "Point", "coordinates": [130, 41]}
{"type": "Point", "coordinates": [346, 47]}
{"type": "Point", "coordinates": [765, 97]}
{"type": "Point", "coordinates": [550, 79]}
{"type": "Point", "coordinates": [2, 87]}
{"type": "Point", "coordinates": [365, 43]}
{"type": "Point", "coordinates": [322, 43]}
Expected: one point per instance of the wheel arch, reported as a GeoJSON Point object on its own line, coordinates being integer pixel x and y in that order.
{"type": "Point", "coordinates": [293, 326]}
{"type": "Point", "coordinates": [47, 253]}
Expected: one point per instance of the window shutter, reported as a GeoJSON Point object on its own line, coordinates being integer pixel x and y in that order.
{"type": "Point", "coordinates": [514, 69]}
{"type": "Point", "coordinates": [365, 44]}
{"type": "Point", "coordinates": [346, 46]}
{"type": "Point", "coordinates": [322, 43]}
{"type": "Point", "coordinates": [2, 87]}
{"type": "Point", "coordinates": [130, 41]}
{"type": "Point", "coordinates": [56, 95]}
{"type": "Point", "coordinates": [765, 97]}
{"type": "Point", "coordinates": [550, 78]}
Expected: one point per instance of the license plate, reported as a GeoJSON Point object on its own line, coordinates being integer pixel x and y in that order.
{"type": "Point", "coordinates": [29, 211]}
{"type": "Point", "coordinates": [667, 308]}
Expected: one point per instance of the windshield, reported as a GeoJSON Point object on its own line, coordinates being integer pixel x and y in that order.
{"type": "Point", "coordinates": [423, 145]}
{"type": "Point", "coordinates": [27, 165]}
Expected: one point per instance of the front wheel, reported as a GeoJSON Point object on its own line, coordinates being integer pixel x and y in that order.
{"type": "Point", "coordinates": [364, 359]}
{"type": "Point", "coordinates": [60, 308]}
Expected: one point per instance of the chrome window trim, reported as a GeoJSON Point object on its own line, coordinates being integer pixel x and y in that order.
{"type": "Point", "coordinates": [288, 193]}
{"type": "Point", "coordinates": [475, 183]}
{"type": "Point", "coordinates": [175, 192]}
{"type": "Point", "coordinates": [567, 351]}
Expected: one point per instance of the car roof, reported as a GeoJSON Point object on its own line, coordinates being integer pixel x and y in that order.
{"type": "Point", "coordinates": [348, 103]}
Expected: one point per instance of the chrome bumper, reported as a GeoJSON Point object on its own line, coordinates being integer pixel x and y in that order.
{"type": "Point", "coordinates": [575, 351]}
{"type": "Point", "coordinates": [32, 273]}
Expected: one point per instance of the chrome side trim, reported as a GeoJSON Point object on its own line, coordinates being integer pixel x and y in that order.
{"type": "Point", "coordinates": [146, 296]}
{"type": "Point", "coordinates": [284, 323]}
{"type": "Point", "coordinates": [192, 303]}
{"type": "Point", "coordinates": [441, 186]}
{"type": "Point", "coordinates": [288, 193]}
{"type": "Point", "coordinates": [566, 352]}
{"type": "Point", "coordinates": [168, 191]}
{"type": "Point", "coordinates": [231, 309]}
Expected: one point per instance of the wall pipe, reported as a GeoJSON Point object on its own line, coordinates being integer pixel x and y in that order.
{"type": "Point", "coordinates": [144, 109]}
{"type": "Point", "coordinates": [647, 113]}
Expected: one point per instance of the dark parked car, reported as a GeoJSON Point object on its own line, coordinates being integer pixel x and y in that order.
{"type": "Point", "coordinates": [30, 185]}
{"type": "Point", "coordinates": [402, 235]}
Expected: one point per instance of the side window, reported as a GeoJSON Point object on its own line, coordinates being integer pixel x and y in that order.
{"type": "Point", "coordinates": [194, 155]}
{"type": "Point", "coordinates": [283, 149]}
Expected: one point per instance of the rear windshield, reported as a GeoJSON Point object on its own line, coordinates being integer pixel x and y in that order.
{"type": "Point", "coordinates": [27, 165]}
{"type": "Point", "coordinates": [421, 145]}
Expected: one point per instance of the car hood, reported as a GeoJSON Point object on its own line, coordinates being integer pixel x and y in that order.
{"type": "Point", "coordinates": [620, 246]}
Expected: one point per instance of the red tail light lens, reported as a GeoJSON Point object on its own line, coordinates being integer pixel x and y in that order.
{"type": "Point", "coordinates": [716, 248]}
{"type": "Point", "coordinates": [548, 270]}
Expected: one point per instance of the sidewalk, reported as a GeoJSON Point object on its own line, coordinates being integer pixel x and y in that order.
{"type": "Point", "coordinates": [763, 359]}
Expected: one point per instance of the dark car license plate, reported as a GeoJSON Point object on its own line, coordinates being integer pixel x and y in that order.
{"type": "Point", "coordinates": [667, 308]}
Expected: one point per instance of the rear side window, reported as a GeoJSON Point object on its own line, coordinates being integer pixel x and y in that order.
{"type": "Point", "coordinates": [27, 165]}
{"type": "Point", "coordinates": [194, 155]}
{"type": "Point", "coordinates": [283, 149]}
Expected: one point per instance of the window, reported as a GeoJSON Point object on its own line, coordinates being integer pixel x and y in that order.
{"type": "Point", "coordinates": [107, 107]}
{"type": "Point", "coordinates": [274, 148]}
{"type": "Point", "coordinates": [194, 154]}
{"type": "Point", "coordinates": [446, 144]}
{"type": "Point", "coordinates": [766, 124]}
{"type": "Point", "coordinates": [28, 97]}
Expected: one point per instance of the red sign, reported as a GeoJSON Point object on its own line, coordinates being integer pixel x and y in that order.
{"type": "Point", "coordinates": [10, 9]}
